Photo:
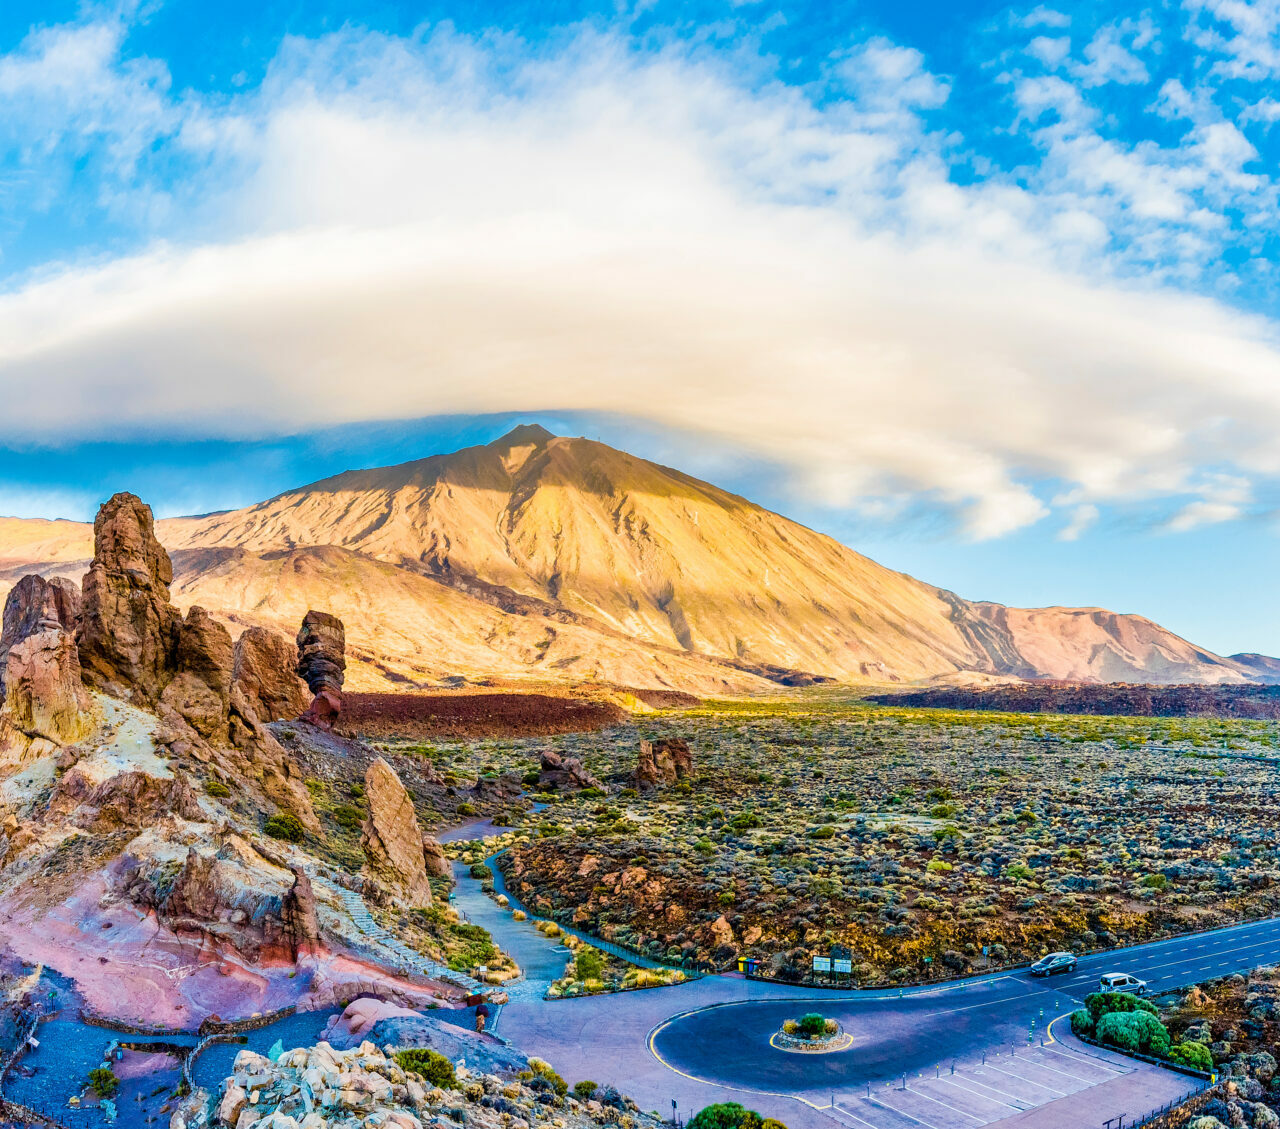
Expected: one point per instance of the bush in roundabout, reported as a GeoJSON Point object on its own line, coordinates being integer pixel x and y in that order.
{"type": "Point", "coordinates": [730, 1115]}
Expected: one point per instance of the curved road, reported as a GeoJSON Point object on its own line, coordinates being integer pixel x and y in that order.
{"type": "Point", "coordinates": [991, 1049]}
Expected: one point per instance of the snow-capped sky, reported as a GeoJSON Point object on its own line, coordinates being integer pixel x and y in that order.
{"type": "Point", "coordinates": [988, 291]}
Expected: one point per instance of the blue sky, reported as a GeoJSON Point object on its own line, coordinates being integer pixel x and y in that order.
{"type": "Point", "coordinates": [987, 291]}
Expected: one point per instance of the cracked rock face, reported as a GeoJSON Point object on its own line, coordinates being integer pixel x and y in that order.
{"type": "Point", "coordinates": [44, 695]}
{"type": "Point", "coordinates": [129, 632]}
{"type": "Point", "coordinates": [34, 605]}
{"type": "Point", "coordinates": [263, 672]}
{"type": "Point", "coordinates": [661, 763]}
{"type": "Point", "coordinates": [392, 838]}
{"type": "Point", "coordinates": [201, 690]}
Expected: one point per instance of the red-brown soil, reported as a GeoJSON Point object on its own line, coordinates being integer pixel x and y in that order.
{"type": "Point", "coordinates": [473, 715]}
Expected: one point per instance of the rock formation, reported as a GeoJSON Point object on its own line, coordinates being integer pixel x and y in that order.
{"type": "Point", "coordinates": [499, 791]}
{"type": "Point", "coordinates": [322, 665]}
{"type": "Point", "coordinates": [128, 634]}
{"type": "Point", "coordinates": [234, 896]}
{"type": "Point", "coordinates": [131, 799]}
{"type": "Point", "coordinates": [200, 692]}
{"type": "Point", "coordinates": [392, 838]}
{"type": "Point", "coordinates": [661, 763]}
{"type": "Point", "coordinates": [564, 774]}
{"type": "Point", "coordinates": [35, 605]}
{"type": "Point", "coordinates": [263, 672]}
{"type": "Point", "coordinates": [44, 695]}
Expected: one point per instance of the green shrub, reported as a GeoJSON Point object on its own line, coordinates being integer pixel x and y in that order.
{"type": "Point", "coordinates": [812, 1025]}
{"type": "Point", "coordinates": [348, 817]}
{"type": "Point", "coordinates": [432, 1065]}
{"type": "Point", "coordinates": [1103, 1003]}
{"type": "Point", "coordinates": [542, 1069]}
{"type": "Point", "coordinates": [589, 963]}
{"type": "Point", "coordinates": [481, 871]}
{"type": "Point", "coordinates": [1082, 1022]}
{"type": "Point", "coordinates": [731, 1115]}
{"type": "Point", "coordinates": [1192, 1054]}
{"type": "Point", "coordinates": [217, 788]}
{"type": "Point", "coordinates": [1134, 1031]}
{"type": "Point", "coordinates": [1155, 882]}
{"type": "Point", "coordinates": [826, 831]}
{"type": "Point", "coordinates": [103, 1082]}
{"type": "Point", "coordinates": [285, 825]}
{"type": "Point", "coordinates": [584, 1089]}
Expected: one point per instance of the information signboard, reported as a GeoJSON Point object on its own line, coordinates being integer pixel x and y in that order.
{"type": "Point", "coordinates": [842, 965]}
{"type": "Point", "coordinates": [821, 964]}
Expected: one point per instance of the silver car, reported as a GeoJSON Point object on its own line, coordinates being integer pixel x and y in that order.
{"type": "Point", "coordinates": [1122, 982]}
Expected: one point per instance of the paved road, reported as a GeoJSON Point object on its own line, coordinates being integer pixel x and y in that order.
{"type": "Point", "coordinates": [989, 1050]}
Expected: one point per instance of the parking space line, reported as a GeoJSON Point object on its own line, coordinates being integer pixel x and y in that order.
{"type": "Point", "coordinates": [1029, 1081]}
{"type": "Point", "coordinates": [850, 1113]}
{"type": "Point", "coordinates": [1110, 1067]}
{"type": "Point", "coordinates": [904, 1113]}
{"type": "Point", "coordinates": [1064, 1073]}
{"type": "Point", "coordinates": [953, 1082]}
{"type": "Point", "coordinates": [945, 1105]}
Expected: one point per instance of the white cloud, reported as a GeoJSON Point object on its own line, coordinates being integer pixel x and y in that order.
{"type": "Point", "coordinates": [412, 227]}
{"type": "Point", "coordinates": [1082, 519]}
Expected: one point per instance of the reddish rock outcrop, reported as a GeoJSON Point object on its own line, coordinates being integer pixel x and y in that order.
{"type": "Point", "coordinates": [200, 692]}
{"type": "Point", "coordinates": [392, 839]}
{"type": "Point", "coordinates": [129, 632]}
{"type": "Point", "coordinates": [235, 897]}
{"type": "Point", "coordinates": [44, 695]}
{"type": "Point", "coordinates": [322, 665]}
{"type": "Point", "coordinates": [132, 799]}
{"type": "Point", "coordinates": [661, 763]}
{"type": "Point", "coordinates": [35, 605]}
{"type": "Point", "coordinates": [263, 672]}
{"type": "Point", "coordinates": [564, 774]}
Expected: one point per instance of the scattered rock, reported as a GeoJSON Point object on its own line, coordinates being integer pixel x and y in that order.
{"type": "Point", "coordinates": [436, 860]}
{"type": "Point", "coordinates": [131, 799]}
{"type": "Point", "coordinates": [393, 842]}
{"type": "Point", "coordinates": [564, 774]}
{"type": "Point", "coordinates": [129, 632]}
{"type": "Point", "coordinates": [661, 763]}
{"type": "Point", "coordinates": [263, 671]}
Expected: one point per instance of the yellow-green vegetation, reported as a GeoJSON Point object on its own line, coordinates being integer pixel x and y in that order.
{"type": "Point", "coordinates": [593, 972]}
{"type": "Point", "coordinates": [907, 838]}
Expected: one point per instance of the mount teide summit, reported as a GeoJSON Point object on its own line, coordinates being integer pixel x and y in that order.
{"type": "Point", "coordinates": [554, 557]}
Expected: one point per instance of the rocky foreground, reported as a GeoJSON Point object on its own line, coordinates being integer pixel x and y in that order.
{"type": "Point", "coordinates": [320, 1087]}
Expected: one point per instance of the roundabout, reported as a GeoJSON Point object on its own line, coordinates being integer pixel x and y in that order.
{"type": "Point", "coordinates": [811, 1034]}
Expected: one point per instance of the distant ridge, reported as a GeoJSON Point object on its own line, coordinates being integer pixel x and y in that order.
{"type": "Point", "coordinates": [560, 558]}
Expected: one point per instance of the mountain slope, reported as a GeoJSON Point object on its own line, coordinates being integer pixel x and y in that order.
{"type": "Point", "coordinates": [560, 557]}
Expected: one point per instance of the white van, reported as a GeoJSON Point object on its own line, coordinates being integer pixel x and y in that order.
{"type": "Point", "coordinates": [1122, 982]}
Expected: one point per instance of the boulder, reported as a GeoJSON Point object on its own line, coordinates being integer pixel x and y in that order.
{"type": "Point", "coordinates": [661, 763]}
{"type": "Point", "coordinates": [44, 694]}
{"type": "Point", "coordinates": [263, 670]}
{"type": "Point", "coordinates": [129, 632]}
{"type": "Point", "coordinates": [322, 665]}
{"type": "Point", "coordinates": [437, 862]}
{"type": "Point", "coordinates": [200, 692]}
{"type": "Point", "coordinates": [34, 605]}
{"type": "Point", "coordinates": [564, 774]}
{"type": "Point", "coordinates": [392, 838]}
